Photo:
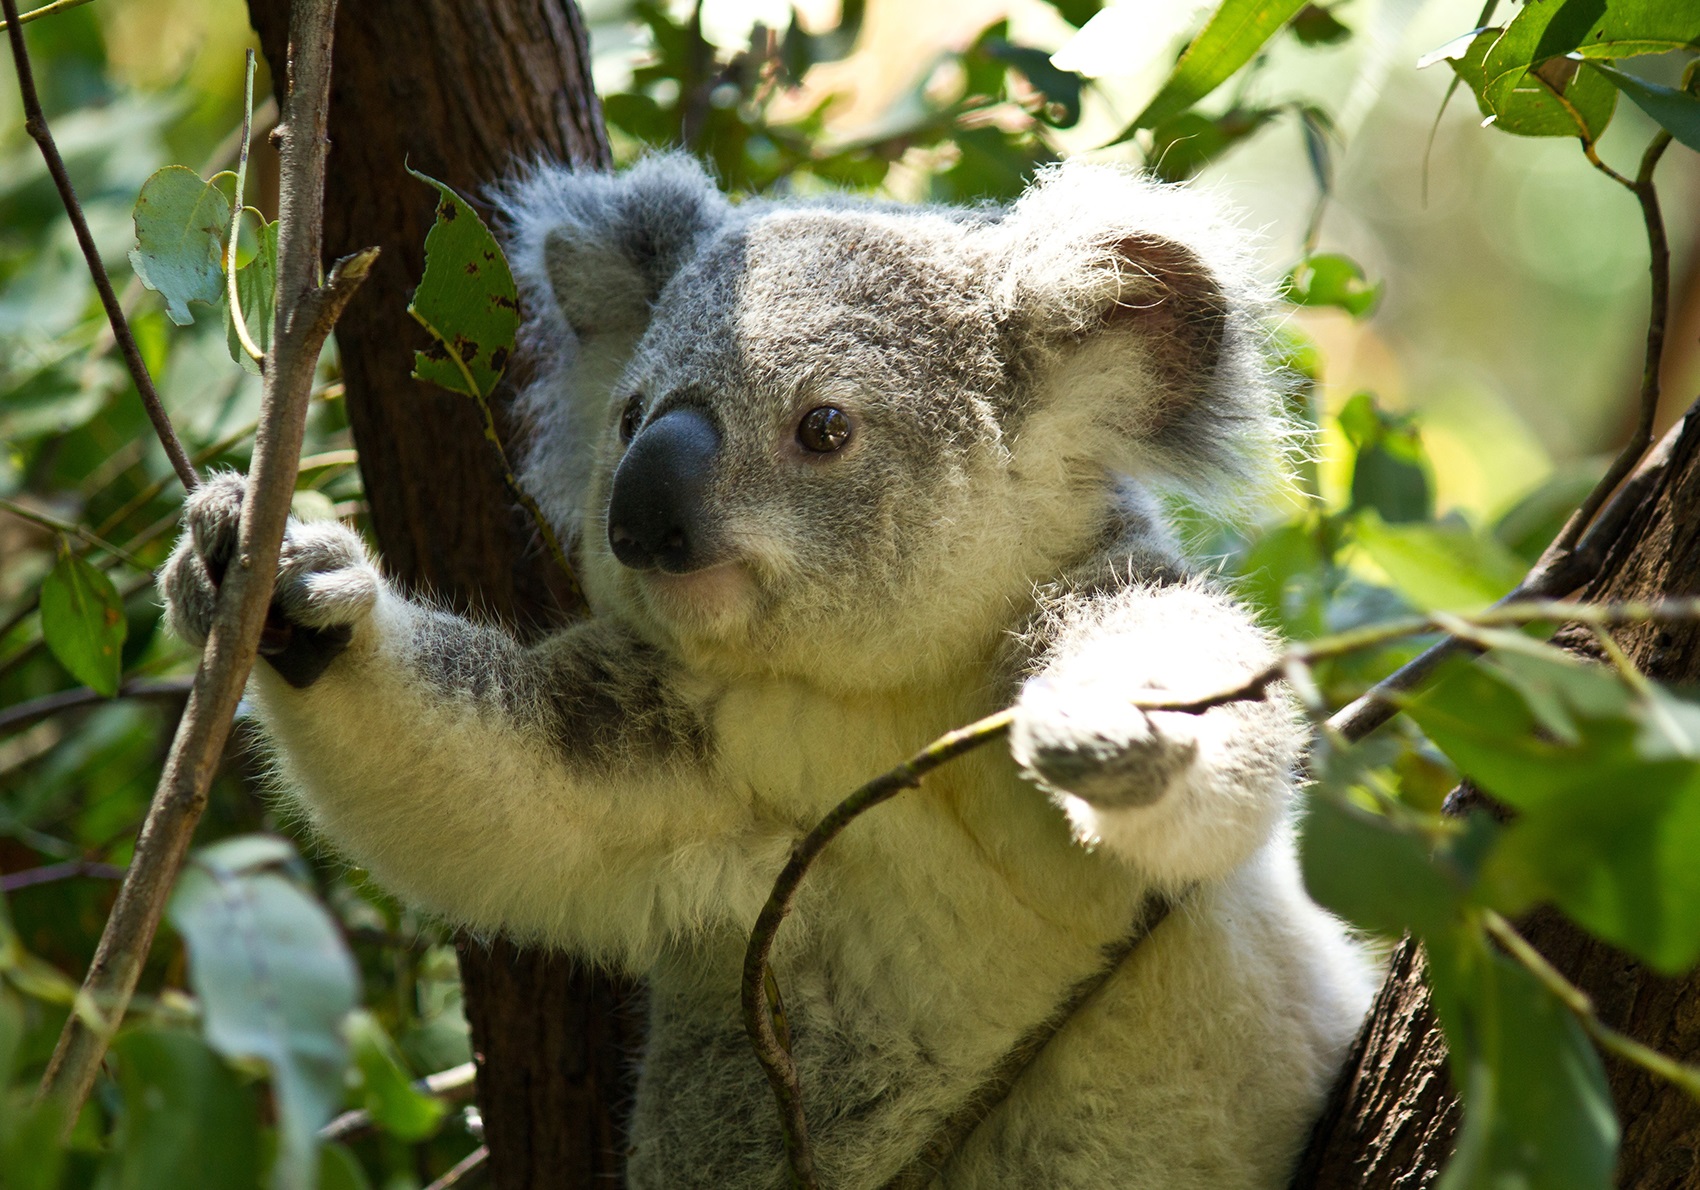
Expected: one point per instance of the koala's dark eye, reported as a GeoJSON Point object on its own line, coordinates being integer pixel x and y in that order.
{"type": "Point", "coordinates": [629, 419]}
{"type": "Point", "coordinates": [824, 430]}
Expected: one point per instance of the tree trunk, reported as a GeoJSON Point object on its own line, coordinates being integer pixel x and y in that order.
{"type": "Point", "coordinates": [1391, 1120]}
{"type": "Point", "coordinates": [461, 89]}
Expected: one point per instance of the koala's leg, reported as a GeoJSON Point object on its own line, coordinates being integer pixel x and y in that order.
{"type": "Point", "coordinates": [561, 791]}
{"type": "Point", "coordinates": [1184, 797]}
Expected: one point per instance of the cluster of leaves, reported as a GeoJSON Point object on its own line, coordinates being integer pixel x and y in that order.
{"type": "Point", "coordinates": [285, 989]}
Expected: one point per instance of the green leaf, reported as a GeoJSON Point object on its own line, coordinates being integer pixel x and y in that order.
{"type": "Point", "coordinates": [1185, 144]}
{"type": "Point", "coordinates": [1537, 1110]}
{"type": "Point", "coordinates": [1554, 101]}
{"type": "Point", "coordinates": [1061, 88]}
{"type": "Point", "coordinates": [82, 619]}
{"type": "Point", "coordinates": [1329, 279]}
{"type": "Point", "coordinates": [1233, 34]}
{"type": "Point", "coordinates": [1316, 25]}
{"type": "Point", "coordinates": [389, 1094]}
{"type": "Point", "coordinates": [256, 289]}
{"type": "Point", "coordinates": [1370, 872]}
{"type": "Point", "coordinates": [1606, 788]}
{"type": "Point", "coordinates": [1547, 29]}
{"type": "Point", "coordinates": [1677, 112]}
{"type": "Point", "coordinates": [31, 1155]}
{"type": "Point", "coordinates": [466, 300]}
{"type": "Point", "coordinates": [1439, 566]}
{"type": "Point", "coordinates": [187, 1120]}
{"type": "Point", "coordinates": [275, 982]}
{"type": "Point", "coordinates": [340, 1170]}
{"type": "Point", "coordinates": [181, 222]}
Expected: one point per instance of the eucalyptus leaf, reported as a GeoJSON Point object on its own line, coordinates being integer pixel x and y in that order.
{"type": "Point", "coordinates": [1230, 38]}
{"type": "Point", "coordinates": [1559, 99]}
{"type": "Point", "coordinates": [1439, 565]}
{"type": "Point", "coordinates": [1677, 112]}
{"type": "Point", "coordinates": [187, 1120]}
{"type": "Point", "coordinates": [1328, 278]}
{"type": "Point", "coordinates": [1537, 1110]}
{"type": "Point", "coordinates": [394, 1102]}
{"type": "Point", "coordinates": [275, 983]}
{"type": "Point", "coordinates": [1372, 873]}
{"type": "Point", "coordinates": [82, 620]}
{"type": "Point", "coordinates": [466, 300]}
{"type": "Point", "coordinates": [1547, 29]}
{"type": "Point", "coordinates": [181, 221]}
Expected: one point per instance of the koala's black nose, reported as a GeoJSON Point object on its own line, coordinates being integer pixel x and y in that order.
{"type": "Point", "coordinates": [655, 513]}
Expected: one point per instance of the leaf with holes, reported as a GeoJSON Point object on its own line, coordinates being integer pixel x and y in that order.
{"type": "Point", "coordinates": [466, 300]}
{"type": "Point", "coordinates": [181, 222]}
{"type": "Point", "coordinates": [1554, 99]}
{"type": "Point", "coordinates": [1546, 30]}
{"type": "Point", "coordinates": [275, 982]}
{"type": "Point", "coordinates": [82, 619]}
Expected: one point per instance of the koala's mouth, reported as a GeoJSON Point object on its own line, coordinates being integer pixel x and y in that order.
{"type": "Point", "coordinates": [712, 597]}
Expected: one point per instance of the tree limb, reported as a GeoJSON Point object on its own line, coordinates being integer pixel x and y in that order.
{"type": "Point", "coordinates": [35, 123]}
{"type": "Point", "coordinates": [305, 312]}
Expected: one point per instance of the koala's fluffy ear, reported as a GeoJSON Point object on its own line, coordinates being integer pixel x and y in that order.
{"type": "Point", "coordinates": [591, 252]}
{"type": "Point", "coordinates": [1133, 315]}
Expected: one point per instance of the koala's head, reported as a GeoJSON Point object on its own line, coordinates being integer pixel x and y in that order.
{"type": "Point", "coordinates": [844, 440]}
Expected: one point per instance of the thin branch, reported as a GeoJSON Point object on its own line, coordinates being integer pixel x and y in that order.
{"type": "Point", "coordinates": [304, 315]}
{"type": "Point", "coordinates": [35, 123]}
{"type": "Point", "coordinates": [454, 1085]}
{"type": "Point", "coordinates": [27, 714]}
{"type": "Point", "coordinates": [49, 873]}
{"type": "Point", "coordinates": [468, 1167]}
{"type": "Point", "coordinates": [72, 529]}
{"type": "Point", "coordinates": [763, 1008]}
{"type": "Point", "coordinates": [1581, 1006]}
{"type": "Point", "coordinates": [46, 10]}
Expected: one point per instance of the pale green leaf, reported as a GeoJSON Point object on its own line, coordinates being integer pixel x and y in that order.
{"type": "Point", "coordinates": [1229, 39]}
{"type": "Point", "coordinates": [187, 1120]}
{"type": "Point", "coordinates": [181, 222]}
{"type": "Point", "coordinates": [1677, 112]}
{"type": "Point", "coordinates": [1439, 566]}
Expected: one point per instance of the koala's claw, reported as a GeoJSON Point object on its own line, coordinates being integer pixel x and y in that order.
{"type": "Point", "coordinates": [326, 584]}
{"type": "Point", "coordinates": [1090, 743]}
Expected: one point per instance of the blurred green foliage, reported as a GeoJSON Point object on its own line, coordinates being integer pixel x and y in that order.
{"type": "Point", "coordinates": [286, 988]}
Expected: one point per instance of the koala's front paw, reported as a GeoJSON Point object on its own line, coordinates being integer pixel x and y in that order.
{"type": "Point", "coordinates": [1091, 743]}
{"type": "Point", "coordinates": [326, 584]}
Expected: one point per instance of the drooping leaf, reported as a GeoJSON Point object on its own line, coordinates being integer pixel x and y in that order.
{"type": "Point", "coordinates": [1442, 565]}
{"type": "Point", "coordinates": [1329, 279]}
{"type": "Point", "coordinates": [1556, 100]}
{"type": "Point", "coordinates": [187, 1120]}
{"type": "Point", "coordinates": [256, 289]}
{"type": "Point", "coordinates": [1677, 112]}
{"type": "Point", "coordinates": [1229, 39]}
{"type": "Point", "coordinates": [1547, 29]}
{"type": "Point", "coordinates": [1537, 1111]}
{"type": "Point", "coordinates": [389, 1094]}
{"type": "Point", "coordinates": [82, 620]}
{"type": "Point", "coordinates": [181, 222]}
{"type": "Point", "coordinates": [1185, 144]}
{"type": "Point", "coordinates": [466, 300]}
{"type": "Point", "coordinates": [275, 983]}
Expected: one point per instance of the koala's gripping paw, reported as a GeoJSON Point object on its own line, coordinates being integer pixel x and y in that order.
{"type": "Point", "coordinates": [326, 584]}
{"type": "Point", "coordinates": [1093, 744]}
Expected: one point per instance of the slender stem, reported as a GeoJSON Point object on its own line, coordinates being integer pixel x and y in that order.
{"type": "Point", "coordinates": [25, 714]}
{"type": "Point", "coordinates": [86, 536]}
{"type": "Point", "coordinates": [46, 10]}
{"type": "Point", "coordinates": [35, 123]}
{"type": "Point", "coordinates": [305, 312]}
{"type": "Point", "coordinates": [1581, 1006]}
{"type": "Point", "coordinates": [51, 873]}
{"type": "Point", "coordinates": [233, 296]}
{"type": "Point", "coordinates": [467, 1167]}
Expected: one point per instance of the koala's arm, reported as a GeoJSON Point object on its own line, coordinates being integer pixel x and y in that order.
{"type": "Point", "coordinates": [1183, 797]}
{"type": "Point", "coordinates": [562, 791]}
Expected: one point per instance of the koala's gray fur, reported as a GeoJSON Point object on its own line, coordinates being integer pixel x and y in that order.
{"type": "Point", "coordinates": [1015, 381]}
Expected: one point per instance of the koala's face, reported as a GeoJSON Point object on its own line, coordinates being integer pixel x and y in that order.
{"type": "Point", "coordinates": [845, 441]}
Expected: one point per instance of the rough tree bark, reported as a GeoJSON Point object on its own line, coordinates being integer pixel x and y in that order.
{"type": "Point", "coordinates": [460, 89]}
{"type": "Point", "coordinates": [1391, 1121]}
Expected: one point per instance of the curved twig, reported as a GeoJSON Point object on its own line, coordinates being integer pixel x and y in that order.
{"type": "Point", "coordinates": [26, 714]}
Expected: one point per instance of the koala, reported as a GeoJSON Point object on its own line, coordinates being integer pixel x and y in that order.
{"type": "Point", "coordinates": [841, 476]}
